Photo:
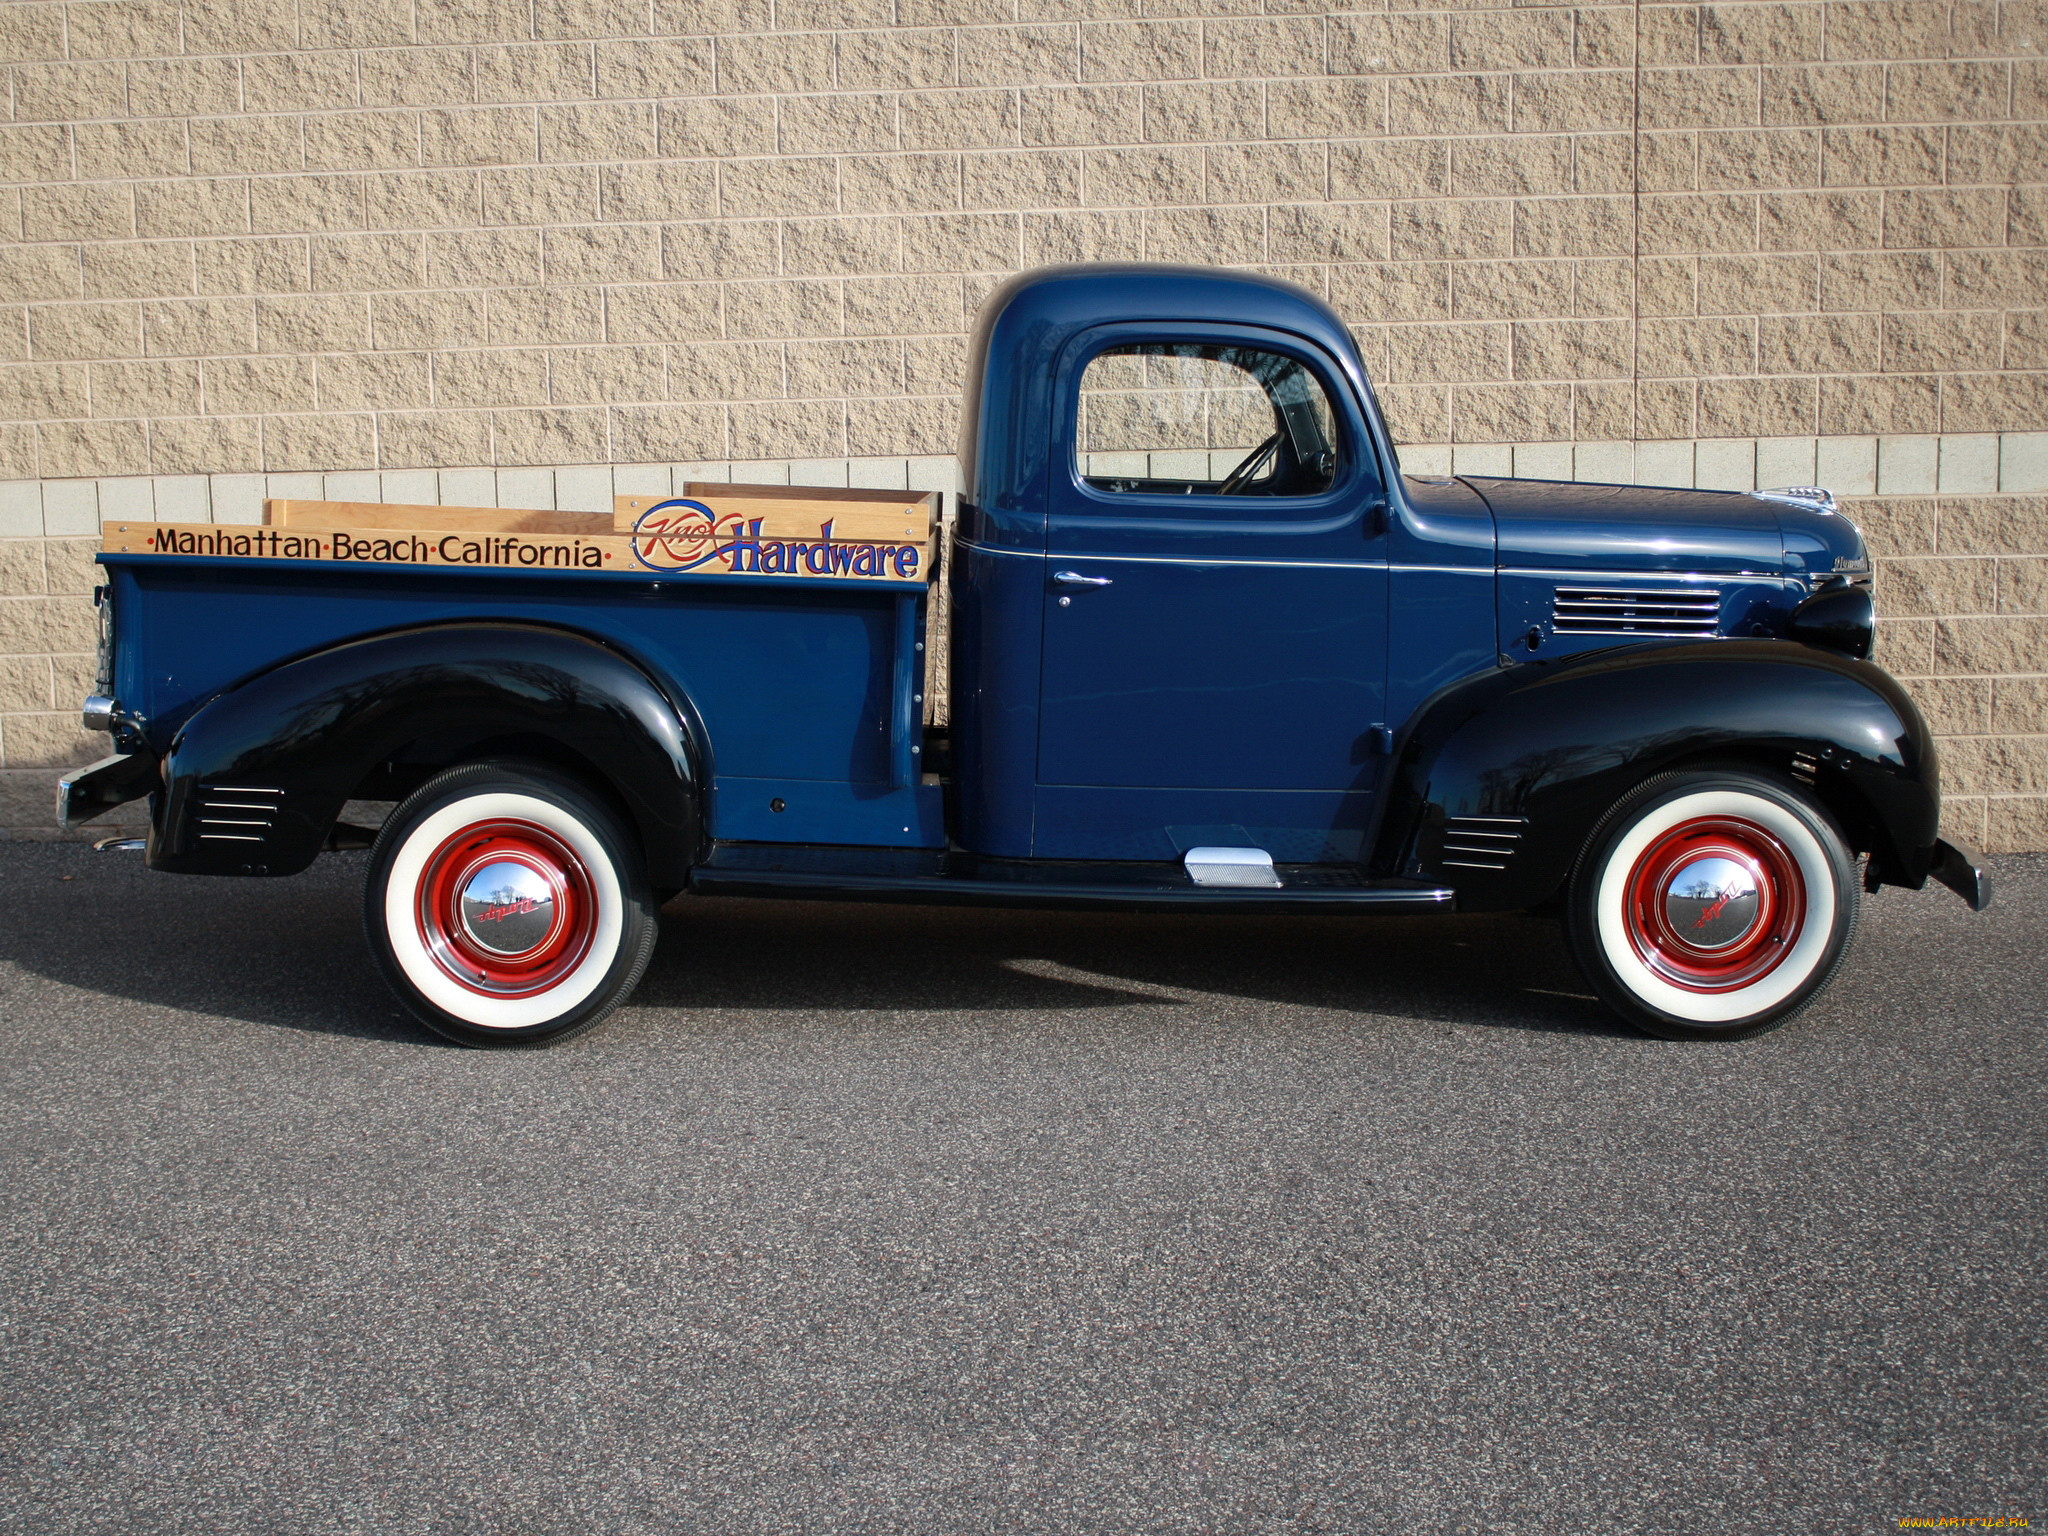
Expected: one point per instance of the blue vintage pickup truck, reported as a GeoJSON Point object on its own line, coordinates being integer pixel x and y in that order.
{"type": "Point", "coordinates": [1209, 651]}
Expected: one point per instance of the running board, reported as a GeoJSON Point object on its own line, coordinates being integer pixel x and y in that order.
{"type": "Point", "coordinates": [911, 875]}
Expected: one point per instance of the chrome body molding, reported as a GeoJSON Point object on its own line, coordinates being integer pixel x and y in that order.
{"type": "Point", "coordinates": [1686, 578]}
{"type": "Point", "coordinates": [1068, 578]}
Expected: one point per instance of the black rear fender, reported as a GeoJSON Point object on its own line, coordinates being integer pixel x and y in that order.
{"type": "Point", "coordinates": [1502, 777]}
{"type": "Point", "coordinates": [255, 780]}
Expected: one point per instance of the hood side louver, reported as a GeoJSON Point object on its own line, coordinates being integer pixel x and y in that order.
{"type": "Point", "coordinates": [1482, 842]}
{"type": "Point", "coordinates": [1636, 611]}
{"type": "Point", "coordinates": [236, 813]}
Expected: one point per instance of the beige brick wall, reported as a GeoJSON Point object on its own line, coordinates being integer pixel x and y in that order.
{"type": "Point", "coordinates": [1963, 584]}
{"type": "Point", "coordinates": [283, 237]}
{"type": "Point", "coordinates": [48, 632]}
{"type": "Point", "coordinates": [1690, 244]}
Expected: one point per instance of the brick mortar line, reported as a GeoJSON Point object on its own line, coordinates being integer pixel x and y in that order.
{"type": "Point", "coordinates": [958, 29]}
{"type": "Point", "coordinates": [897, 93]}
{"type": "Point", "coordinates": [912, 215]}
{"type": "Point", "coordinates": [1058, 210]}
{"type": "Point", "coordinates": [966, 29]}
{"type": "Point", "coordinates": [1592, 130]}
{"type": "Point", "coordinates": [1450, 135]}
{"type": "Point", "coordinates": [1737, 189]}
{"type": "Point", "coordinates": [325, 173]}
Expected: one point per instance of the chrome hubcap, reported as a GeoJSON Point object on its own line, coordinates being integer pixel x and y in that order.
{"type": "Point", "coordinates": [1712, 903]}
{"type": "Point", "coordinates": [508, 908]}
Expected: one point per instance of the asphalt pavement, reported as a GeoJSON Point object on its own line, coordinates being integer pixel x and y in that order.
{"type": "Point", "coordinates": [878, 1219]}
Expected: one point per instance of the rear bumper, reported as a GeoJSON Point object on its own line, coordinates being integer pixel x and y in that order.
{"type": "Point", "coordinates": [113, 781]}
{"type": "Point", "coordinates": [1961, 868]}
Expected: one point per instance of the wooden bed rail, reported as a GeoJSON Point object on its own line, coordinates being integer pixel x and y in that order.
{"type": "Point", "coordinates": [716, 530]}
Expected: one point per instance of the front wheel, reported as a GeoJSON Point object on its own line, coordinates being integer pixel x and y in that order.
{"type": "Point", "coordinates": [506, 905]}
{"type": "Point", "coordinates": [1712, 904]}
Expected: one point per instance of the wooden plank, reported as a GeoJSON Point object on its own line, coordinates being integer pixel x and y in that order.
{"type": "Point", "coordinates": [697, 490]}
{"type": "Point", "coordinates": [376, 546]}
{"type": "Point", "coordinates": [673, 550]}
{"type": "Point", "coordinates": [796, 518]}
{"type": "Point", "coordinates": [377, 514]}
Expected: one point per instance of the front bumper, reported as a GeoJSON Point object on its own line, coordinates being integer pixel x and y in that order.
{"type": "Point", "coordinates": [113, 781]}
{"type": "Point", "coordinates": [1961, 868]}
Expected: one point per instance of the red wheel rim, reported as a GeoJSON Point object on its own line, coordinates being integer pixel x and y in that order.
{"type": "Point", "coordinates": [506, 908]}
{"type": "Point", "coordinates": [1714, 904]}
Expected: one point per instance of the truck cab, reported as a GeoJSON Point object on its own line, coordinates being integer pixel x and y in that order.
{"type": "Point", "coordinates": [1209, 650]}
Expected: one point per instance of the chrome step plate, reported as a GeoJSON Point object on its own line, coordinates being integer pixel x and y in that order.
{"type": "Point", "coordinates": [1231, 866]}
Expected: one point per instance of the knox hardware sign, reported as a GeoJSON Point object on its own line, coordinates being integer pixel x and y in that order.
{"type": "Point", "coordinates": [683, 535]}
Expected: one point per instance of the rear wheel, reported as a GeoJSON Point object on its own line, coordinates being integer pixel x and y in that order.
{"type": "Point", "coordinates": [1712, 904]}
{"type": "Point", "coordinates": [506, 905]}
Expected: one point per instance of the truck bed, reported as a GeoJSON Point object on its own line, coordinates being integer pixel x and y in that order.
{"type": "Point", "coordinates": [806, 688]}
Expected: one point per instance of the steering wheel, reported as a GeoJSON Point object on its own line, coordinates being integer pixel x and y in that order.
{"type": "Point", "coordinates": [1248, 466]}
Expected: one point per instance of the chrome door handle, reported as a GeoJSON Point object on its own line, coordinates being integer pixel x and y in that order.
{"type": "Point", "coordinates": [1076, 579]}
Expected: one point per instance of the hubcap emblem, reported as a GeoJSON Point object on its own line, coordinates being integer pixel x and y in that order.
{"type": "Point", "coordinates": [508, 908]}
{"type": "Point", "coordinates": [1712, 903]}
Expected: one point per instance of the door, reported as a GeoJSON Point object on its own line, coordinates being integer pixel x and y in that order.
{"type": "Point", "coordinates": [1214, 664]}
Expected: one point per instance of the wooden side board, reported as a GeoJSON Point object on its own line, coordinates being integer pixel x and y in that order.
{"type": "Point", "coordinates": [376, 546]}
{"type": "Point", "coordinates": [784, 512]}
{"type": "Point", "coordinates": [376, 514]}
{"type": "Point", "coordinates": [697, 490]}
{"type": "Point", "coordinates": [778, 541]}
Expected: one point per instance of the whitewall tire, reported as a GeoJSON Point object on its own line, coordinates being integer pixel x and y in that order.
{"type": "Point", "coordinates": [1712, 904]}
{"type": "Point", "coordinates": [506, 905]}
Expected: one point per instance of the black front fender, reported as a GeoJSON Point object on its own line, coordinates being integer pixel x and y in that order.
{"type": "Point", "coordinates": [255, 779]}
{"type": "Point", "coordinates": [1502, 777]}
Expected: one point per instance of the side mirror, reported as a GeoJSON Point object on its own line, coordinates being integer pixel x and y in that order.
{"type": "Point", "coordinates": [1839, 619]}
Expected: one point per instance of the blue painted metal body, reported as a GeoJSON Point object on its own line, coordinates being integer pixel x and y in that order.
{"type": "Point", "coordinates": [799, 683]}
{"type": "Point", "coordinates": [1226, 685]}
{"type": "Point", "coordinates": [1274, 670]}
{"type": "Point", "coordinates": [366, 716]}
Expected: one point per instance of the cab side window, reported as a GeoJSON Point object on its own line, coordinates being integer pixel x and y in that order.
{"type": "Point", "coordinates": [1189, 419]}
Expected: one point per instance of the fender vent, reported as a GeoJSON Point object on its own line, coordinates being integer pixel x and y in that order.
{"type": "Point", "coordinates": [1482, 842]}
{"type": "Point", "coordinates": [236, 813]}
{"type": "Point", "coordinates": [1614, 611]}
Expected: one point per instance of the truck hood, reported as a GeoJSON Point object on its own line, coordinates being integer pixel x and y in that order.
{"type": "Point", "coordinates": [1558, 525]}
